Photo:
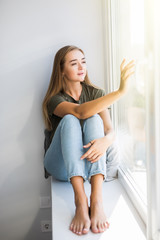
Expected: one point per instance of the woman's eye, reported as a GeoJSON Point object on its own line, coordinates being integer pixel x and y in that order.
{"type": "Point", "coordinates": [84, 62]}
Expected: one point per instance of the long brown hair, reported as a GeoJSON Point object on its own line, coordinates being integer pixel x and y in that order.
{"type": "Point", "coordinates": [57, 83]}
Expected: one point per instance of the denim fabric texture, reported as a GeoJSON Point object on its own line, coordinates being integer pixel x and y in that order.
{"type": "Point", "coordinates": [62, 159]}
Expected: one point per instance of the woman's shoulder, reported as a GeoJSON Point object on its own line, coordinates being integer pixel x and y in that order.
{"type": "Point", "coordinates": [56, 97]}
{"type": "Point", "coordinates": [93, 91]}
{"type": "Point", "coordinates": [54, 101]}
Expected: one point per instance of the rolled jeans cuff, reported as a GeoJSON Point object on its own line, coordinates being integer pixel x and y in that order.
{"type": "Point", "coordinates": [95, 173]}
{"type": "Point", "coordinates": [77, 175]}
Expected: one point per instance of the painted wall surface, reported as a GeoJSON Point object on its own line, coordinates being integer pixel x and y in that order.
{"type": "Point", "coordinates": [31, 32]}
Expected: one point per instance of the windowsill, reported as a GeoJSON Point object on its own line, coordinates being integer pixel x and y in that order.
{"type": "Point", "coordinates": [125, 223]}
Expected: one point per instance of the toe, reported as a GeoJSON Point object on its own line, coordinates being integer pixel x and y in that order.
{"type": "Point", "coordinates": [102, 227]}
{"type": "Point", "coordinates": [107, 224]}
{"type": "Point", "coordinates": [94, 228]}
{"type": "Point", "coordinates": [77, 230]}
{"type": "Point", "coordinates": [98, 227]}
{"type": "Point", "coordinates": [71, 227]}
{"type": "Point", "coordinates": [74, 229]}
{"type": "Point", "coordinates": [80, 229]}
{"type": "Point", "coordinates": [86, 228]}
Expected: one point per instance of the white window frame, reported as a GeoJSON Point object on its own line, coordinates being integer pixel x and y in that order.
{"type": "Point", "coordinates": [153, 158]}
{"type": "Point", "coordinates": [150, 211]}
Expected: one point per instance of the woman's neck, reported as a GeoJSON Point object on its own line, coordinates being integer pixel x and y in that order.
{"type": "Point", "coordinates": [74, 90]}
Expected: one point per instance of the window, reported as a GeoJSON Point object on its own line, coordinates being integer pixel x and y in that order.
{"type": "Point", "coordinates": [131, 30]}
{"type": "Point", "coordinates": [131, 109]}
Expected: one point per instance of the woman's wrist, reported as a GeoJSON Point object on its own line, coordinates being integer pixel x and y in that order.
{"type": "Point", "coordinates": [120, 92]}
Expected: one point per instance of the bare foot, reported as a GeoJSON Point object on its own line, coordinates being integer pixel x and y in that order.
{"type": "Point", "coordinates": [81, 221]}
{"type": "Point", "coordinates": [98, 218]}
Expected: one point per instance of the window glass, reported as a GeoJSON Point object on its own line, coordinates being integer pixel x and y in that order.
{"type": "Point", "coordinates": [130, 110]}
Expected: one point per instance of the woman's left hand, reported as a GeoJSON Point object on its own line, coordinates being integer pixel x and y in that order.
{"type": "Point", "coordinates": [97, 149]}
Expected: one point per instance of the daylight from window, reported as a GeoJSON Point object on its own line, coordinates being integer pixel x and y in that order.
{"type": "Point", "coordinates": [131, 109]}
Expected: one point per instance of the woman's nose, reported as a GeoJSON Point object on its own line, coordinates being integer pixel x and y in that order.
{"type": "Point", "coordinates": [80, 66]}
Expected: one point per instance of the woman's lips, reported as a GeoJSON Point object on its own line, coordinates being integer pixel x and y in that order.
{"type": "Point", "coordinates": [80, 74]}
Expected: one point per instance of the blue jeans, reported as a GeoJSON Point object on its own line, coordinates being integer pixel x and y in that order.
{"type": "Point", "coordinates": [62, 159]}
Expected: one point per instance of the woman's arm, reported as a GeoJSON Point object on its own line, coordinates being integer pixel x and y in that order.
{"type": "Point", "coordinates": [108, 127]}
{"type": "Point", "coordinates": [88, 109]}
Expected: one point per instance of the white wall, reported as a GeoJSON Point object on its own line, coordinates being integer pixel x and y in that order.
{"type": "Point", "coordinates": [31, 32]}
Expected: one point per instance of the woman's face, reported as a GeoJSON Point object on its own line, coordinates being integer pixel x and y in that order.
{"type": "Point", "coordinates": [75, 66]}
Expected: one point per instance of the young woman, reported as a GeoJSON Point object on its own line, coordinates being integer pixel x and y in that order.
{"type": "Point", "coordinates": [76, 113]}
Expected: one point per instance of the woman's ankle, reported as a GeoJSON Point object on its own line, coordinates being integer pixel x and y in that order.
{"type": "Point", "coordinates": [96, 197]}
{"type": "Point", "coordinates": [81, 199]}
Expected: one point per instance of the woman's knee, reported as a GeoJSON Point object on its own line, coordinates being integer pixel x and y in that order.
{"type": "Point", "coordinates": [95, 119]}
{"type": "Point", "coordinates": [70, 120]}
{"type": "Point", "coordinates": [93, 123]}
{"type": "Point", "coordinates": [69, 125]}
{"type": "Point", "coordinates": [93, 128]}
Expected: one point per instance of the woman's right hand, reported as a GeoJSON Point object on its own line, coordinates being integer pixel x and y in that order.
{"type": "Point", "coordinates": [126, 72]}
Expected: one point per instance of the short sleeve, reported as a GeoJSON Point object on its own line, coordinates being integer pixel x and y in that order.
{"type": "Point", "coordinates": [99, 93]}
{"type": "Point", "coordinates": [54, 101]}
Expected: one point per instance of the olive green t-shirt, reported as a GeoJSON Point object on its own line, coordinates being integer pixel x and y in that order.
{"type": "Point", "coordinates": [88, 93]}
